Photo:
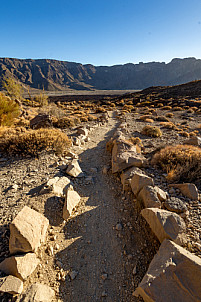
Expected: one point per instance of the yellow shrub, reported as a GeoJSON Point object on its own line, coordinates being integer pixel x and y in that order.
{"type": "Point", "coordinates": [152, 131]}
{"type": "Point", "coordinates": [9, 110]}
{"type": "Point", "coordinates": [181, 162]}
{"type": "Point", "coordinates": [32, 142]}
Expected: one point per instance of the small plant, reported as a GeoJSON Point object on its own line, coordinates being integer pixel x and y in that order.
{"type": "Point", "coordinates": [41, 99]}
{"type": "Point", "coordinates": [152, 131]}
{"type": "Point", "coordinates": [181, 162]}
{"type": "Point", "coordinates": [9, 110]}
{"type": "Point", "coordinates": [32, 142]}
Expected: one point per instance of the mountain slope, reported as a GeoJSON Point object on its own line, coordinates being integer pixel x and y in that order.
{"type": "Point", "coordinates": [59, 75]}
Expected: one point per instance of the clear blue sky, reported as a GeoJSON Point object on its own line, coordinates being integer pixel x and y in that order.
{"type": "Point", "coordinates": [101, 32]}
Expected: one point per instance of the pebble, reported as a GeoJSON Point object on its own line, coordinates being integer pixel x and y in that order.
{"type": "Point", "coordinates": [104, 294]}
{"type": "Point", "coordinates": [104, 277]}
{"type": "Point", "coordinates": [73, 275]}
{"type": "Point", "coordinates": [134, 270]}
{"type": "Point", "coordinates": [119, 227]}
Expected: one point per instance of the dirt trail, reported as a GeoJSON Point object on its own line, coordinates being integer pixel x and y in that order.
{"type": "Point", "coordinates": [102, 254]}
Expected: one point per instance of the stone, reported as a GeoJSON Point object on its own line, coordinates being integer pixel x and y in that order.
{"type": "Point", "coordinates": [124, 155]}
{"type": "Point", "coordinates": [162, 195]}
{"type": "Point", "coordinates": [73, 275]}
{"type": "Point", "coordinates": [140, 180]}
{"type": "Point", "coordinates": [173, 275]}
{"type": "Point", "coordinates": [41, 121]}
{"type": "Point", "coordinates": [72, 199]}
{"type": "Point", "coordinates": [58, 185]}
{"type": "Point", "coordinates": [20, 266]}
{"type": "Point", "coordinates": [27, 231]}
{"type": "Point", "coordinates": [195, 141]}
{"type": "Point", "coordinates": [119, 227]}
{"type": "Point", "coordinates": [149, 197]}
{"type": "Point", "coordinates": [165, 225]}
{"type": "Point", "coordinates": [187, 189]}
{"type": "Point", "coordinates": [38, 293]}
{"type": "Point", "coordinates": [126, 176]}
{"type": "Point", "coordinates": [74, 169]}
{"type": "Point", "coordinates": [11, 285]}
{"type": "Point", "coordinates": [76, 141]}
{"type": "Point", "coordinates": [83, 131]}
{"type": "Point", "coordinates": [175, 204]}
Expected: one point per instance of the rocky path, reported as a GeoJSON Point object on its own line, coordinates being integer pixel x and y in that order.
{"type": "Point", "coordinates": [94, 247]}
{"type": "Point", "coordinates": [104, 248]}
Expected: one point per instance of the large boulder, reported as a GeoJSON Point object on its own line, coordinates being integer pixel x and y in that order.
{"type": "Point", "coordinates": [58, 185]}
{"type": "Point", "coordinates": [149, 197]}
{"type": "Point", "coordinates": [139, 181]}
{"type": "Point", "coordinates": [27, 231]}
{"type": "Point", "coordinates": [11, 285]}
{"type": "Point", "coordinates": [41, 121]}
{"type": "Point", "coordinates": [126, 176]}
{"type": "Point", "coordinates": [37, 293]}
{"type": "Point", "coordinates": [187, 189]}
{"type": "Point", "coordinates": [165, 225]}
{"type": "Point", "coordinates": [124, 155]}
{"type": "Point", "coordinates": [21, 266]}
{"type": "Point", "coordinates": [174, 275]}
{"type": "Point", "coordinates": [72, 199]}
{"type": "Point", "coordinates": [74, 169]}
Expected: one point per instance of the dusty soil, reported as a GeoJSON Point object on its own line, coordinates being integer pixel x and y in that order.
{"type": "Point", "coordinates": [105, 248]}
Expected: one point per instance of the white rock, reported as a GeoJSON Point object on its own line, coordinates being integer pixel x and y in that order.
{"type": "Point", "coordinates": [58, 185]}
{"type": "Point", "coordinates": [27, 231]}
{"type": "Point", "coordinates": [20, 266]}
{"type": "Point", "coordinates": [11, 285]}
{"type": "Point", "coordinates": [74, 169]}
{"type": "Point", "coordinates": [72, 199]}
{"type": "Point", "coordinates": [38, 293]}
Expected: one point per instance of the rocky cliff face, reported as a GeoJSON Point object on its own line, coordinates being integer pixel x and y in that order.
{"type": "Point", "coordinates": [59, 75]}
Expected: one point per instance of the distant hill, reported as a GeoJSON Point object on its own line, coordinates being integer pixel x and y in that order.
{"type": "Point", "coordinates": [60, 75]}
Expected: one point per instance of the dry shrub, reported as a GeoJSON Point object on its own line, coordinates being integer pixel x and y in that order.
{"type": "Point", "coordinates": [32, 142]}
{"type": "Point", "coordinates": [160, 105]}
{"type": "Point", "coordinates": [53, 110]}
{"type": "Point", "coordinates": [152, 131]}
{"type": "Point", "coordinates": [9, 110]}
{"type": "Point", "coordinates": [92, 117]}
{"type": "Point", "coordinates": [66, 122]}
{"type": "Point", "coordinates": [169, 114]}
{"type": "Point", "coordinates": [181, 162]}
{"type": "Point", "coordinates": [168, 125]}
{"type": "Point", "coordinates": [177, 108]}
{"type": "Point", "coordinates": [128, 108]}
{"type": "Point", "coordinates": [167, 108]}
{"type": "Point", "coordinates": [144, 117]}
{"type": "Point", "coordinates": [149, 120]}
{"type": "Point", "coordinates": [41, 99]}
{"type": "Point", "coordinates": [190, 110]}
{"type": "Point", "coordinates": [184, 133]}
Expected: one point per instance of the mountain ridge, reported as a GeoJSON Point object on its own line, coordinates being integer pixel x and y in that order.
{"type": "Point", "coordinates": [52, 74]}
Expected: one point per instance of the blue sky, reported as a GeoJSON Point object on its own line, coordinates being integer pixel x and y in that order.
{"type": "Point", "coordinates": [101, 32]}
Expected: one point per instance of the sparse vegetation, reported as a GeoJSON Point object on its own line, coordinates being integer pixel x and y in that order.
{"type": "Point", "coordinates": [32, 142]}
{"type": "Point", "coordinates": [152, 131]}
{"type": "Point", "coordinates": [181, 162]}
